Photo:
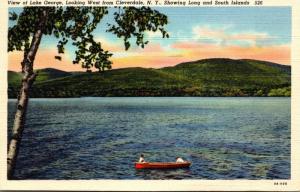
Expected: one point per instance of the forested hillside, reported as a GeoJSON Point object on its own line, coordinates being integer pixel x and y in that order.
{"type": "Point", "coordinates": [209, 77]}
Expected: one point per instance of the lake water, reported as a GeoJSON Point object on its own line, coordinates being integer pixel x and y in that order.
{"type": "Point", "coordinates": [101, 138]}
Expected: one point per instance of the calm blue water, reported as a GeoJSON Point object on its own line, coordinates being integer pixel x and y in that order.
{"type": "Point", "coordinates": [100, 138]}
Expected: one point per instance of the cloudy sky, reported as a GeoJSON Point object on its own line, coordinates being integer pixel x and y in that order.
{"type": "Point", "coordinates": [262, 33]}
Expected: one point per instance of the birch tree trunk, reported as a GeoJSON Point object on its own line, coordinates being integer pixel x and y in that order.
{"type": "Point", "coordinates": [27, 81]}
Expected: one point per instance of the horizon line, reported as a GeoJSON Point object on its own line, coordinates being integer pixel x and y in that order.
{"type": "Point", "coordinates": [95, 70]}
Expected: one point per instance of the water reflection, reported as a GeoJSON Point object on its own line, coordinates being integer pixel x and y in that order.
{"type": "Point", "coordinates": [163, 173]}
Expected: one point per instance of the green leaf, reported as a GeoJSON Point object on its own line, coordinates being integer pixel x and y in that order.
{"type": "Point", "coordinates": [13, 16]}
{"type": "Point", "coordinates": [58, 58]}
{"type": "Point", "coordinates": [127, 45]}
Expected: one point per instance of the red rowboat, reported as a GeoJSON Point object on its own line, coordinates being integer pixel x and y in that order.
{"type": "Point", "coordinates": [161, 165]}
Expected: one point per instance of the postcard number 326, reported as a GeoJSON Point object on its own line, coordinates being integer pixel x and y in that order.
{"type": "Point", "coordinates": [258, 2]}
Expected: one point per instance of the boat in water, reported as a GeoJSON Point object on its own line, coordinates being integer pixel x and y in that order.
{"type": "Point", "coordinates": [162, 165]}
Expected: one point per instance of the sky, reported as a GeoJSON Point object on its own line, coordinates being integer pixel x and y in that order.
{"type": "Point", "coordinates": [196, 33]}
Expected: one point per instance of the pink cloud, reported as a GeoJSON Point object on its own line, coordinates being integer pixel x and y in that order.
{"type": "Point", "coordinates": [277, 54]}
{"type": "Point", "coordinates": [152, 47]}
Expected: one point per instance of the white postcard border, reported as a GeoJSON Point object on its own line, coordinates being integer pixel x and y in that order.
{"type": "Point", "coordinates": [162, 185]}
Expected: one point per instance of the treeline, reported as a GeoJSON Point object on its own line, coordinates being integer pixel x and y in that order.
{"type": "Point", "coordinates": [54, 92]}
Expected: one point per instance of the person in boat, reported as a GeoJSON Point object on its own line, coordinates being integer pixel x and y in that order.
{"type": "Point", "coordinates": [179, 160]}
{"type": "Point", "coordinates": [142, 160]}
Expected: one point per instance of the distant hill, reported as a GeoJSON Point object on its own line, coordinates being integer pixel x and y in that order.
{"type": "Point", "coordinates": [14, 78]}
{"type": "Point", "coordinates": [233, 73]}
{"type": "Point", "coordinates": [50, 73]}
{"type": "Point", "coordinates": [208, 77]}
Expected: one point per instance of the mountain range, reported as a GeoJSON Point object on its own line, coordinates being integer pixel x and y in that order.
{"type": "Point", "coordinates": [207, 77]}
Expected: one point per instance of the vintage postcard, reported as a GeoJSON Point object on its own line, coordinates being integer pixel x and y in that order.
{"type": "Point", "coordinates": [156, 95]}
